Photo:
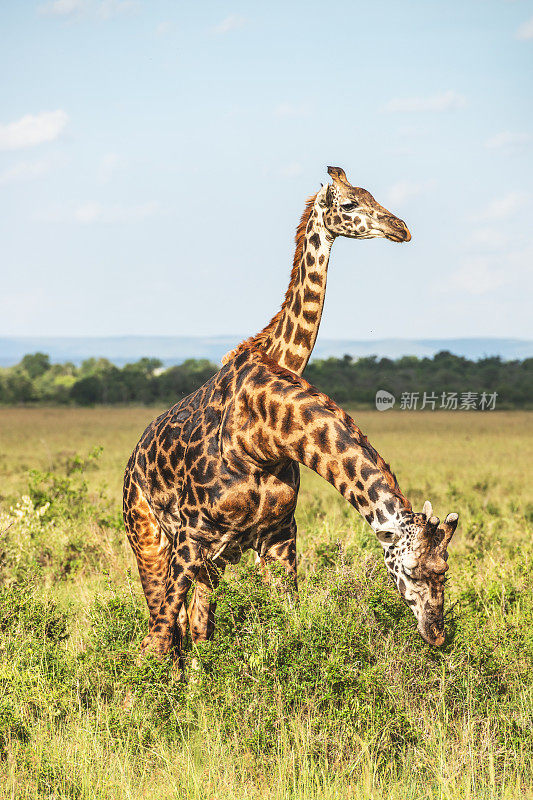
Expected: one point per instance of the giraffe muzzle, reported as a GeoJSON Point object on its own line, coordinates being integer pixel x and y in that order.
{"type": "Point", "coordinates": [400, 231]}
{"type": "Point", "coordinates": [432, 632]}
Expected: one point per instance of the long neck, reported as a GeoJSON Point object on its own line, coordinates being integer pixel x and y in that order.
{"type": "Point", "coordinates": [341, 454]}
{"type": "Point", "coordinates": [304, 425]}
{"type": "Point", "coordinates": [290, 335]}
{"type": "Point", "coordinates": [361, 476]}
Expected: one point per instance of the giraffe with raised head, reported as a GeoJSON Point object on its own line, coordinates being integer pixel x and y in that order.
{"type": "Point", "coordinates": [338, 209]}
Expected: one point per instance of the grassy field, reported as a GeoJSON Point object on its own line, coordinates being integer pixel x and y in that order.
{"type": "Point", "coordinates": [336, 698]}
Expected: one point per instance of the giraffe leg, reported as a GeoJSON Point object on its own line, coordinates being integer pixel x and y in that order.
{"type": "Point", "coordinates": [280, 547]}
{"type": "Point", "coordinates": [202, 608]}
{"type": "Point", "coordinates": [183, 621]}
{"type": "Point", "coordinates": [200, 615]}
{"type": "Point", "coordinates": [150, 545]}
{"type": "Point", "coordinates": [165, 632]}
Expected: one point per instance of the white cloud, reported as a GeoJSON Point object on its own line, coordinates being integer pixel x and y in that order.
{"type": "Point", "coordinates": [95, 212]}
{"type": "Point", "coordinates": [405, 190]}
{"type": "Point", "coordinates": [504, 206]}
{"type": "Point", "coordinates": [291, 110]}
{"type": "Point", "coordinates": [291, 170]}
{"type": "Point", "coordinates": [489, 237]}
{"type": "Point", "coordinates": [62, 8]}
{"type": "Point", "coordinates": [163, 28]}
{"type": "Point", "coordinates": [412, 131]}
{"type": "Point", "coordinates": [525, 31]}
{"type": "Point", "coordinates": [112, 8]}
{"type": "Point", "coordinates": [105, 9]}
{"type": "Point", "coordinates": [445, 101]}
{"type": "Point", "coordinates": [108, 166]}
{"type": "Point", "coordinates": [32, 129]}
{"type": "Point", "coordinates": [25, 171]}
{"type": "Point", "coordinates": [507, 140]}
{"type": "Point", "coordinates": [231, 23]}
{"type": "Point", "coordinates": [482, 274]}
{"type": "Point", "coordinates": [90, 212]}
{"type": "Point", "coordinates": [478, 275]}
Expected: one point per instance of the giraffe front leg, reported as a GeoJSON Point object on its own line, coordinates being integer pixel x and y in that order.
{"type": "Point", "coordinates": [280, 548]}
{"type": "Point", "coordinates": [165, 632]}
{"type": "Point", "coordinates": [202, 608]}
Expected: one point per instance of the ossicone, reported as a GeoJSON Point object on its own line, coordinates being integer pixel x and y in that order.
{"type": "Point", "coordinates": [338, 174]}
{"type": "Point", "coordinates": [436, 536]}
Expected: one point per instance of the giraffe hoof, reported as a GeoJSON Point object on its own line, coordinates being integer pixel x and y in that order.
{"type": "Point", "coordinates": [129, 701]}
{"type": "Point", "coordinates": [194, 672]}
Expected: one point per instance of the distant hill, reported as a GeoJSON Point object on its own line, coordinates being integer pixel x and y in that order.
{"type": "Point", "coordinates": [176, 349]}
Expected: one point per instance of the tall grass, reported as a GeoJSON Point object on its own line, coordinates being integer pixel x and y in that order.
{"type": "Point", "coordinates": [335, 697]}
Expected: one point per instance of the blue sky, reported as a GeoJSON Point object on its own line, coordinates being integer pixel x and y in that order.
{"type": "Point", "coordinates": [155, 158]}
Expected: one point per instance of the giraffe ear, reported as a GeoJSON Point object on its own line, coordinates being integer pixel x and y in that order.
{"type": "Point", "coordinates": [323, 196]}
{"type": "Point", "coordinates": [427, 511]}
{"type": "Point", "coordinates": [388, 537]}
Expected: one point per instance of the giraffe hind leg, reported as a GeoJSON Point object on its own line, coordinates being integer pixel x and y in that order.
{"type": "Point", "coordinates": [150, 545]}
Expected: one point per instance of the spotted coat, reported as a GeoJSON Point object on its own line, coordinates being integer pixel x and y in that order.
{"type": "Point", "coordinates": [218, 474]}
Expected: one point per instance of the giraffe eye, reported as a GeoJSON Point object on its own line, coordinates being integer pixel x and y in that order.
{"type": "Point", "coordinates": [348, 206]}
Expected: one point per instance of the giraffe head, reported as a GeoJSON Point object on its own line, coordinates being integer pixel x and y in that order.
{"type": "Point", "coordinates": [416, 558]}
{"type": "Point", "coordinates": [353, 212]}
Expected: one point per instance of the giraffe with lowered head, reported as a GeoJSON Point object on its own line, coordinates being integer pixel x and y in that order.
{"type": "Point", "coordinates": [338, 209]}
{"type": "Point", "coordinates": [218, 474]}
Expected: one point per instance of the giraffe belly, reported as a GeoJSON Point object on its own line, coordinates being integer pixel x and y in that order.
{"type": "Point", "coordinates": [258, 501]}
{"type": "Point", "coordinates": [243, 509]}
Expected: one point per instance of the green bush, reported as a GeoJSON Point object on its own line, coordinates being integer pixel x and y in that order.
{"type": "Point", "coordinates": [57, 528]}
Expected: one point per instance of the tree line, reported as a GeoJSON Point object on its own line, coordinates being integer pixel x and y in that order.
{"type": "Point", "coordinates": [35, 380]}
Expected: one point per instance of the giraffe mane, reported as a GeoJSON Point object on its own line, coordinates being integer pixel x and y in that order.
{"type": "Point", "coordinates": [261, 338]}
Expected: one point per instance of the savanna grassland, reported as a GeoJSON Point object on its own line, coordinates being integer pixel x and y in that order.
{"type": "Point", "coordinates": [337, 697]}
